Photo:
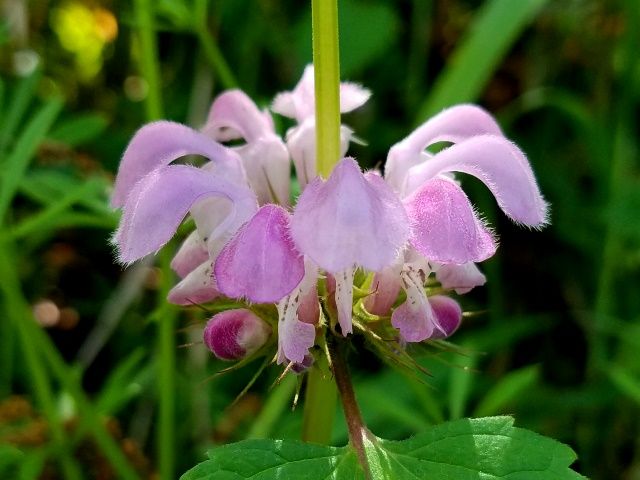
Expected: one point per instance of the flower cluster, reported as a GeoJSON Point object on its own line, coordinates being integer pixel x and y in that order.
{"type": "Point", "coordinates": [354, 242]}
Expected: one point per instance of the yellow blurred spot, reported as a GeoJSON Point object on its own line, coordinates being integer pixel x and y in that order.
{"type": "Point", "coordinates": [84, 31]}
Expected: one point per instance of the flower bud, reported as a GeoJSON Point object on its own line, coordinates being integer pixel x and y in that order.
{"type": "Point", "coordinates": [448, 313]}
{"type": "Point", "coordinates": [235, 334]}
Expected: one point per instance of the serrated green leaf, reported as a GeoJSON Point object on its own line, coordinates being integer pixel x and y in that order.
{"type": "Point", "coordinates": [468, 449]}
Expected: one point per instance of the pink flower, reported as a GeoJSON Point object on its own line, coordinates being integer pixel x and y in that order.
{"type": "Point", "coordinates": [413, 222]}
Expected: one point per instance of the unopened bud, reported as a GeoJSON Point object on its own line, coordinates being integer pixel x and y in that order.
{"type": "Point", "coordinates": [235, 334]}
{"type": "Point", "coordinates": [448, 313]}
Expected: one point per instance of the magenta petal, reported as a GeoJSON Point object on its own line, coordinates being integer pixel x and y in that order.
{"type": "Point", "coordinates": [461, 278]}
{"type": "Point", "coordinates": [260, 262]}
{"type": "Point", "coordinates": [336, 219]}
{"type": "Point", "coordinates": [235, 334]}
{"type": "Point", "coordinates": [448, 313]}
{"type": "Point", "coordinates": [454, 125]}
{"type": "Point", "coordinates": [385, 288]}
{"type": "Point", "coordinates": [191, 253]}
{"type": "Point", "coordinates": [197, 287]}
{"type": "Point", "coordinates": [158, 144]}
{"type": "Point", "coordinates": [445, 228]}
{"type": "Point", "coordinates": [158, 203]}
{"type": "Point", "coordinates": [502, 167]}
{"type": "Point", "coordinates": [233, 115]}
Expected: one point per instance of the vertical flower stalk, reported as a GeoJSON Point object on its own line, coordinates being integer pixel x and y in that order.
{"type": "Point", "coordinates": [321, 393]}
{"type": "Point", "coordinates": [327, 83]}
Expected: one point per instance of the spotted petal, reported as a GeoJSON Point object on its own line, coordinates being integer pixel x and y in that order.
{"type": "Point", "coordinates": [198, 286]}
{"type": "Point", "coordinates": [500, 165]}
{"type": "Point", "coordinates": [453, 125]}
{"type": "Point", "coordinates": [158, 203]}
{"type": "Point", "coordinates": [445, 228]}
{"type": "Point", "coordinates": [190, 255]}
{"type": "Point", "coordinates": [260, 262]}
{"type": "Point", "coordinates": [158, 144]}
{"type": "Point", "coordinates": [351, 219]}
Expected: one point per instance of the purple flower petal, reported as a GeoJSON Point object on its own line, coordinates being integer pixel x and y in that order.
{"type": "Point", "coordinates": [415, 318]}
{"type": "Point", "coordinates": [233, 115]}
{"type": "Point", "coordinates": [385, 288]}
{"type": "Point", "coordinates": [235, 334]}
{"type": "Point", "coordinates": [500, 165]}
{"type": "Point", "coordinates": [260, 262]}
{"type": "Point", "coordinates": [198, 286]}
{"type": "Point", "coordinates": [461, 278]}
{"type": "Point", "coordinates": [296, 337]}
{"type": "Point", "coordinates": [444, 227]}
{"type": "Point", "coordinates": [448, 313]}
{"type": "Point", "coordinates": [301, 142]}
{"type": "Point", "coordinates": [336, 219]}
{"type": "Point", "coordinates": [453, 125]}
{"type": "Point", "coordinates": [268, 168]}
{"type": "Point", "coordinates": [158, 203]}
{"type": "Point", "coordinates": [158, 144]}
{"type": "Point", "coordinates": [300, 103]}
{"type": "Point", "coordinates": [190, 255]}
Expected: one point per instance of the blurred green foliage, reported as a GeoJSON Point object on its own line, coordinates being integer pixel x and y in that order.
{"type": "Point", "coordinates": [92, 383]}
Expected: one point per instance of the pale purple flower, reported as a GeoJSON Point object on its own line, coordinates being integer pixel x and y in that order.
{"type": "Point", "coordinates": [248, 246]}
{"type": "Point", "coordinates": [299, 104]}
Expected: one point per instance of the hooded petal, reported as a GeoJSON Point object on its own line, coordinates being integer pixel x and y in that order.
{"type": "Point", "coordinates": [158, 144]}
{"type": "Point", "coordinates": [260, 262]}
{"type": "Point", "coordinates": [352, 96]}
{"type": "Point", "coordinates": [453, 125]}
{"type": "Point", "coordinates": [268, 168]}
{"type": "Point", "coordinates": [233, 115]}
{"type": "Point", "coordinates": [445, 228]}
{"type": "Point", "coordinates": [158, 203]}
{"type": "Point", "coordinates": [190, 255]}
{"type": "Point", "coordinates": [415, 318]}
{"type": "Point", "coordinates": [198, 286]}
{"type": "Point", "coordinates": [461, 278]}
{"type": "Point", "coordinates": [351, 219]}
{"type": "Point", "coordinates": [500, 165]}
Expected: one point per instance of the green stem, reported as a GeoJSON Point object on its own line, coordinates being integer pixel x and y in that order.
{"type": "Point", "coordinates": [166, 372]}
{"type": "Point", "coordinates": [18, 309]}
{"type": "Point", "coordinates": [320, 404]}
{"type": "Point", "coordinates": [149, 66]}
{"type": "Point", "coordinates": [210, 47]}
{"type": "Point", "coordinates": [326, 63]}
{"type": "Point", "coordinates": [273, 408]}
